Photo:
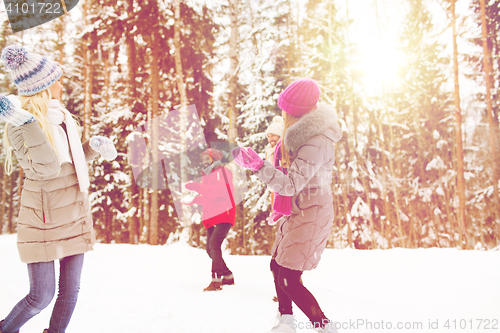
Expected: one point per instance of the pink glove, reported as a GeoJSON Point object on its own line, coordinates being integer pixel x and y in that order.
{"type": "Point", "coordinates": [247, 158]}
{"type": "Point", "coordinates": [192, 186]}
{"type": "Point", "coordinates": [274, 217]}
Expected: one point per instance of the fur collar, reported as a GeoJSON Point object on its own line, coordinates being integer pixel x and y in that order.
{"type": "Point", "coordinates": [323, 120]}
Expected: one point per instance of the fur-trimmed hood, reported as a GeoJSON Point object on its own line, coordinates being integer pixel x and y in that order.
{"type": "Point", "coordinates": [323, 120]}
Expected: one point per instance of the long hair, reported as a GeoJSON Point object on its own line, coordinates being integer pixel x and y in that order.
{"type": "Point", "coordinates": [286, 157]}
{"type": "Point", "coordinates": [38, 106]}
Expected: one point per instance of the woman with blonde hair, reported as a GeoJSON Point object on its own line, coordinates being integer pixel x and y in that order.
{"type": "Point", "coordinates": [303, 186]}
{"type": "Point", "coordinates": [54, 221]}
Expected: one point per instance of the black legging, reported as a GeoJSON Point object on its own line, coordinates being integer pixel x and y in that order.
{"type": "Point", "coordinates": [215, 237]}
{"type": "Point", "coordinates": [289, 288]}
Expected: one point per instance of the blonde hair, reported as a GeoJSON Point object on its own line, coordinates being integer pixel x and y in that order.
{"type": "Point", "coordinates": [286, 157]}
{"type": "Point", "coordinates": [38, 105]}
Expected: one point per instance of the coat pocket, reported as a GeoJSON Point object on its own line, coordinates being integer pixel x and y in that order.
{"type": "Point", "coordinates": [306, 200]}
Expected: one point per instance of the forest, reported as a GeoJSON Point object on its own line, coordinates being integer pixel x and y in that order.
{"type": "Point", "coordinates": [419, 161]}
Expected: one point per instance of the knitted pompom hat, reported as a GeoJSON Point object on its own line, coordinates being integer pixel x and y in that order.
{"type": "Point", "coordinates": [299, 97]}
{"type": "Point", "coordinates": [277, 126]}
{"type": "Point", "coordinates": [214, 153]}
{"type": "Point", "coordinates": [31, 72]}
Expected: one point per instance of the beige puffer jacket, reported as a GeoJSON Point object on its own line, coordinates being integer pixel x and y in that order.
{"type": "Point", "coordinates": [301, 237]}
{"type": "Point", "coordinates": [54, 219]}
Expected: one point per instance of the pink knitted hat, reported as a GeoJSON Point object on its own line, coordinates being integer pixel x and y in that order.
{"type": "Point", "coordinates": [299, 97]}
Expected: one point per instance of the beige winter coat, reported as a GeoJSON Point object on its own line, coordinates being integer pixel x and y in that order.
{"type": "Point", "coordinates": [301, 237]}
{"type": "Point", "coordinates": [54, 219]}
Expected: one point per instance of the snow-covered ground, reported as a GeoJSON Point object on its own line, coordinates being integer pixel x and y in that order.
{"type": "Point", "coordinates": [143, 289]}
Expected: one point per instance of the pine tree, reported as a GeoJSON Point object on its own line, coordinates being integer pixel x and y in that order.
{"type": "Point", "coordinates": [423, 107]}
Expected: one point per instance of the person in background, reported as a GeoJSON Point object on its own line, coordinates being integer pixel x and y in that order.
{"type": "Point", "coordinates": [216, 195]}
{"type": "Point", "coordinates": [308, 155]}
{"type": "Point", "coordinates": [55, 221]}
{"type": "Point", "coordinates": [274, 133]}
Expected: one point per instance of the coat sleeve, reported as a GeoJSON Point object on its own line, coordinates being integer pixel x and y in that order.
{"type": "Point", "coordinates": [32, 149]}
{"type": "Point", "coordinates": [308, 161]}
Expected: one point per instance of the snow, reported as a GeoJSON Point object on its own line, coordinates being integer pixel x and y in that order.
{"type": "Point", "coordinates": [142, 288]}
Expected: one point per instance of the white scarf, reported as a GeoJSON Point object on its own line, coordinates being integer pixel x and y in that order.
{"type": "Point", "coordinates": [56, 115]}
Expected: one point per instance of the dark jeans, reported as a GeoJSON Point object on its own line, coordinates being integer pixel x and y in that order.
{"type": "Point", "coordinates": [290, 288]}
{"type": "Point", "coordinates": [42, 289]}
{"type": "Point", "coordinates": [215, 237]}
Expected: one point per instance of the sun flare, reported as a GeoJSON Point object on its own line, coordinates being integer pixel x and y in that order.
{"type": "Point", "coordinates": [379, 65]}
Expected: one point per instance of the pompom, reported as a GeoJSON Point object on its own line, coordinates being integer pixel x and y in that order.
{"type": "Point", "coordinates": [278, 119]}
{"type": "Point", "coordinates": [14, 56]}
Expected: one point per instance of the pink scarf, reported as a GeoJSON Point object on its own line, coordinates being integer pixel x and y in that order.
{"type": "Point", "coordinates": [282, 204]}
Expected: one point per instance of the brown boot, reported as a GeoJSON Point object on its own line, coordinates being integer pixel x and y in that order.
{"type": "Point", "coordinates": [214, 286]}
{"type": "Point", "coordinates": [45, 331]}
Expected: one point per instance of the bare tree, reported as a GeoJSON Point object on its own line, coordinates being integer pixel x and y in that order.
{"type": "Point", "coordinates": [88, 69]}
{"type": "Point", "coordinates": [183, 121]}
{"type": "Point", "coordinates": [153, 227]}
{"type": "Point", "coordinates": [458, 134]}
{"type": "Point", "coordinates": [492, 126]}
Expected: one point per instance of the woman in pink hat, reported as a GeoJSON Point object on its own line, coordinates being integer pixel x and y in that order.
{"type": "Point", "coordinates": [305, 189]}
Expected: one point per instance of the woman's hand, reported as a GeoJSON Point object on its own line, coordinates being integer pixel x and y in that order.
{"type": "Point", "coordinates": [11, 111]}
{"type": "Point", "coordinates": [192, 186]}
{"type": "Point", "coordinates": [104, 146]}
{"type": "Point", "coordinates": [274, 217]}
{"type": "Point", "coordinates": [247, 158]}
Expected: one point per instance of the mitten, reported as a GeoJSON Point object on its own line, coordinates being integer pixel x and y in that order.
{"type": "Point", "coordinates": [192, 186]}
{"type": "Point", "coordinates": [274, 217]}
{"type": "Point", "coordinates": [104, 146]}
{"type": "Point", "coordinates": [247, 158]}
{"type": "Point", "coordinates": [11, 112]}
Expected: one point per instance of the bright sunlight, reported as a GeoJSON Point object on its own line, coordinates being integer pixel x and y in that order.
{"type": "Point", "coordinates": [379, 64]}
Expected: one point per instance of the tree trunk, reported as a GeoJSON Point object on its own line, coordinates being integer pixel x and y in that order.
{"type": "Point", "coordinates": [366, 187]}
{"type": "Point", "coordinates": [458, 134]}
{"type": "Point", "coordinates": [395, 190]}
{"type": "Point", "coordinates": [492, 125]}
{"type": "Point", "coordinates": [89, 79]}
{"type": "Point", "coordinates": [131, 56]}
{"type": "Point", "coordinates": [60, 33]}
{"type": "Point", "coordinates": [133, 204]}
{"type": "Point", "coordinates": [142, 206]}
{"type": "Point", "coordinates": [233, 111]}
{"type": "Point", "coordinates": [183, 121]}
{"type": "Point", "coordinates": [387, 206]}
{"type": "Point", "coordinates": [155, 73]}
{"type": "Point", "coordinates": [134, 223]}
{"type": "Point", "coordinates": [145, 215]}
